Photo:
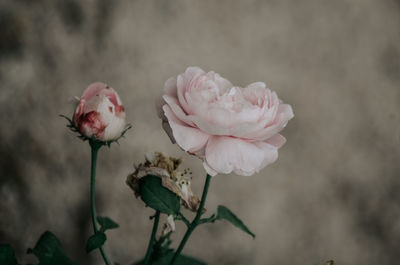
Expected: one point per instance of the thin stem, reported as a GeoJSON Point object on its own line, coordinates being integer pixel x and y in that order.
{"type": "Point", "coordinates": [95, 148]}
{"type": "Point", "coordinates": [195, 222]}
{"type": "Point", "coordinates": [152, 238]}
{"type": "Point", "coordinates": [210, 219]}
{"type": "Point", "coordinates": [181, 217]}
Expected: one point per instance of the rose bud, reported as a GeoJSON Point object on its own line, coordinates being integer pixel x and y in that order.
{"type": "Point", "coordinates": [99, 113]}
{"type": "Point", "coordinates": [232, 129]}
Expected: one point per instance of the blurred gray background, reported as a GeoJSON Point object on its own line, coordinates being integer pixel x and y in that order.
{"type": "Point", "coordinates": [333, 193]}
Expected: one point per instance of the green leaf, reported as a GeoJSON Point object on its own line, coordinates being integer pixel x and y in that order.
{"type": "Point", "coordinates": [7, 256]}
{"type": "Point", "coordinates": [157, 196]}
{"type": "Point", "coordinates": [49, 251]}
{"type": "Point", "coordinates": [95, 241]}
{"type": "Point", "coordinates": [165, 260]}
{"type": "Point", "coordinates": [226, 214]}
{"type": "Point", "coordinates": [106, 223]}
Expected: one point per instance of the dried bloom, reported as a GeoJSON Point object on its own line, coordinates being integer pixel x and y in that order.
{"type": "Point", "coordinates": [232, 129]}
{"type": "Point", "coordinates": [164, 167]}
{"type": "Point", "coordinates": [168, 226]}
{"type": "Point", "coordinates": [99, 113]}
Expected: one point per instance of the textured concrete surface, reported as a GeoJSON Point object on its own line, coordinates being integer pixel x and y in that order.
{"type": "Point", "coordinates": [333, 193]}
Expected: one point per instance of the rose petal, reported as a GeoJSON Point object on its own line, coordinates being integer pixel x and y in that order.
{"type": "Point", "coordinates": [229, 154]}
{"type": "Point", "coordinates": [184, 83]}
{"type": "Point", "coordinates": [175, 107]}
{"type": "Point", "coordinates": [170, 87]}
{"type": "Point", "coordinates": [277, 140]}
{"type": "Point", "coordinates": [93, 90]}
{"type": "Point", "coordinates": [284, 114]}
{"type": "Point", "coordinates": [188, 138]}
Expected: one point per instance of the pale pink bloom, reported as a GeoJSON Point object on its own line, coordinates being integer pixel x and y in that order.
{"type": "Point", "coordinates": [232, 129]}
{"type": "Point", "coordinates": [100, 113]}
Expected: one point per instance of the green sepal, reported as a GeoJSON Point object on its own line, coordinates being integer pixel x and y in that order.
{"type": "Point", "coordinates": [7, 255]}
{"type": "Point", "coordinates": [49, 251]}
{"type": "Point", "coordinates": [106, 223]}
{"type": "Point", "coordinates": [226, 214]}
{"type": "Point", "coordinates": [95, 241]}
{"type": "Point", "coordinates": [156, 196]}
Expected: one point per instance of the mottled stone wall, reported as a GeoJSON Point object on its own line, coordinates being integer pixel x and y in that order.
{"type": "Point", "coordinates": [333, 193]}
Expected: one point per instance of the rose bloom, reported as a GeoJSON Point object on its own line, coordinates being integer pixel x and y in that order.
{"type": "Point", "coordinates": [232, 129]}
{"type": "Point", "coordinates": [100, 113]}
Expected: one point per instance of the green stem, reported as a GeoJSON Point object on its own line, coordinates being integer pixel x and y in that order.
{"type": "Point", "coordinates": [95, 148]}
{"type": "Point", "coordinates": [195, 222]}
{"type": "Point", "coordinates": [152, 238]}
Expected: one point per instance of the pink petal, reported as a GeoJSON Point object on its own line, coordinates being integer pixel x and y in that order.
{"type": "Point", "coordinates": [93, 90]}
{"type": "Point", "coordinates": [270, 153]}
{"type": "Point", "coordinates": [227, 154]}
{"type": "Point", "coordinates": [79, 111]}
{"type": "Point", "coordinates": [170, 87]}
{"type": "Point", "coordinates": [277, 140]}
{"type": "Point", "coordinates": [184, 84]}
{"type": "Point", "coordinates": [99, 88]}
{"type": "Point", "coordinates": [177, 109]}
{"type": "Point", "coordinates": [188, 138]}
{"type": "Point", "coordinates": [209, 170]}
{"type": "Point", "coordinates": [284, 114]}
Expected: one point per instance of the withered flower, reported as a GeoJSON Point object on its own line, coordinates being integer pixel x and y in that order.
{"type": "Point", "coordinates": [166, 168]}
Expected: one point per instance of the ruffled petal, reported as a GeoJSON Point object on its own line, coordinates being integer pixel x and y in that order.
{"type": "Point", "coordinates": [228, 154]}
{"type": "Point", "coordinates": [277, 140]}
{"type": "Point", "coordinates": [177, 110]}
{"type": "Point", "coordinates": [188, 138]}
{"type": "Point", "coordinates": [284, 114]}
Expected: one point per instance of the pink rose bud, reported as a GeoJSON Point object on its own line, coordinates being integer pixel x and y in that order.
{"type": "Point", "coordinates": [100, 113]}
{"type": "Point", "coordinates": [232, 129]}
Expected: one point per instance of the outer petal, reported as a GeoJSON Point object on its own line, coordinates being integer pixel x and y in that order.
{"type": "Point", "coordinates": [184, 84]}
{"type": "Point", "coordinates": [111, 116]}
{"type": "Point", "coordinates": [177, 110]}
{"type": "Point", "coordinates": [228, 154]}
{"type": "Point", "coordinates": [79, 111]}
{"type": "Point", "coordinates": [277, 140]}
{"type": "Point", "coordinates": [209, 170]}
{"type": "Point", "coordinates": [98, 89]}
{"type": "Point", "coordinates": [188, 138]}
{"type": "Point", "coordinates": [93, 90]}
{"type": "Point", "coordinates": [170, 87]}
{"type": "Point", "coordinates": [285, 113]}
{"type": "Point", "coordinates": [270, 153]}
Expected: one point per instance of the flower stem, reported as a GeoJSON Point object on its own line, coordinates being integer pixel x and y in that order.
{"type": "Point", "coordinates": [95, 146]}
{"type": "Point", "coordinates": [152, 238]}
{"type": "Point", "coordinates": [195, 222]}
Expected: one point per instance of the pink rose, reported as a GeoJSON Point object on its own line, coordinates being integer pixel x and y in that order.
{"type": "Point", "coordinates": [232, 129]}
{"type": "Point", "coordinates": [100, 113]}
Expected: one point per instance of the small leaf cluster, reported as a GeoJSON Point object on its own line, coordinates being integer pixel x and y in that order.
{"type": "Point", "coordinates": [99, 238]}
{"type": "Point", "coordinates": [162, 254]}
{"type": "Point", "coordinates": [48, 251]}
{"type": "Point", "coordinates": [161, 199]}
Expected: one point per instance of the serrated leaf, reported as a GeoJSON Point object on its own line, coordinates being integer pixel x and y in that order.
{"type": "Point", "coordinates": [165, 260]}
{"type": "Point", "coordinates": [95, 241]}
{"type": "Point", "coordinates": [226, 214]}
{"type": "Point", "coordinates": [49, 251]}
{"type": "Point", "coordinates": [7, 255]}
{"type": "Point", "coordinates": [106, 223]}
{"type": "Point", "coordinates": [157, 196]}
